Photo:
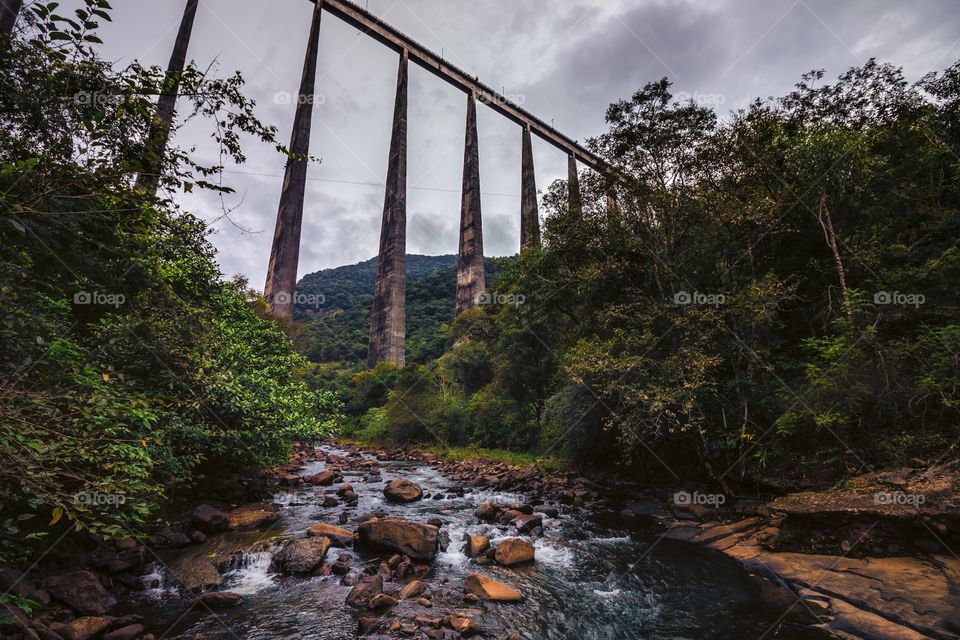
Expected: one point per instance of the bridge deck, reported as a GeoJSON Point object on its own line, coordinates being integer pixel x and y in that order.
{"type": "Point", "coordinates": [371, 25]}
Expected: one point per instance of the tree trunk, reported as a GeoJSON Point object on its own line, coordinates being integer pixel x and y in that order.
{"type": "Point", "coordinates": [827, 224]}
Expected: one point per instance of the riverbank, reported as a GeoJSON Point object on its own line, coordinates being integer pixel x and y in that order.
{"type": "Point", "coordinates": [427, 544]}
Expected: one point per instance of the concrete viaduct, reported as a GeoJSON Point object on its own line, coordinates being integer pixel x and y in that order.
{"type": "Point", "coordinates": [387, 327]}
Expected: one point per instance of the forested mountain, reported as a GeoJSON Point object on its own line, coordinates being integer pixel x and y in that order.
{"type": "Point", "coordinates": [336, 304]}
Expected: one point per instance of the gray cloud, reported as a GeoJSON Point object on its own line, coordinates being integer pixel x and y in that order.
{"type": "Point", "coordinates": [566, 60]}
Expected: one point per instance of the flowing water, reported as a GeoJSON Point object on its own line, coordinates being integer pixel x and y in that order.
{"type": "Point", "coordinates": [593, 578]}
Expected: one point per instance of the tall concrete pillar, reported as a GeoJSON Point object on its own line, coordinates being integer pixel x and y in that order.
{"type": "Point", "coordinates": [149, 177]}
{"type": "Point", "coordinates": [9, 10]}
{"type": "Point", "coordinates": [285, 252]}
{"type": "Point", "coordinates": [573, 186]}
{"type": "Point", "coordinates": [470, 274]}
{"type": "Point", "coordinates": [529, 214]}
{"type": "Point", "coordinates": [388, 322]}
{"type": "Point", "coordinates": [612, 205]}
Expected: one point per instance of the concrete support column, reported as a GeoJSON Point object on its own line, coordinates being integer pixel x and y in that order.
{"type": "Point", "coordinates": [388, 322]}
{"type": "Point", "coordinates": [612, 205]}
{"type": "Point", "coordinates": [9, 10]}
{"type": "Point", "coordinates": [470, 273]}
{"type": "Point", "coordinates": [285, 252]}
{"type": "Point", "coordinates": [529, 214]}
{"type": "Point", "coordinates": [573, 186]}
{"type": "Point", "coordinates": [149, 177]}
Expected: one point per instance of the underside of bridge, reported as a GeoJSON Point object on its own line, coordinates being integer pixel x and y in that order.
{"type": "Point", "coordinates": [387, 326]}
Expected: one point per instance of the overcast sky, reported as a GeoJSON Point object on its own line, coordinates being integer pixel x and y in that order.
{"type": "Point", "coordinates": [564, 60]}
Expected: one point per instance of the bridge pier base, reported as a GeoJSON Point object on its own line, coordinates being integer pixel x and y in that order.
{"type": "Point", "coordinates": [470, 269]}
{"type": "Point", "coordinates": [281, 282]}
{"type": "Point", "coordinates": [529, 214]}
{"type": "Point", "coordinates": [388, 320]}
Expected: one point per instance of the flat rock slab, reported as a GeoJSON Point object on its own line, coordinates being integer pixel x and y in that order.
{"type": "Point", "coordinates": [875, 598]}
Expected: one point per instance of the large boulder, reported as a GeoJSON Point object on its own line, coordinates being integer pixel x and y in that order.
{"type": "Point", "coordinates": [338, 535]}
{"type": "Point", "coordinates": [302, 556]}
{"type": "Point", "coordinates": [252, 516]}
{"type": "Point", "coordinates": [82, 591]}
{"type": "Point", "coordinates": [418, 541]}
{"type": "Point", "coordinates": [489, 589]}
{"type": "Point", "coordinates": [513, 551]}
{"type": "Point", "coordinates": [209, 519]}
{"type": "Point", "coordinates": [401, 490]}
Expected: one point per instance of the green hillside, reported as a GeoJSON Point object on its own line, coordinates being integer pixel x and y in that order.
{"type": "Point", "coordinates": [338, 329]}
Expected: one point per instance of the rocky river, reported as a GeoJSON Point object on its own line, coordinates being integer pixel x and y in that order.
{"type": "Point", "coordinates": [593, 575]}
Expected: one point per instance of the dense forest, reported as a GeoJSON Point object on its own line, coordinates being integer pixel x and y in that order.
{"type": "Point", "coordinates": [771, 296]}
{"type": "Point", "coordinates": [131, 368]}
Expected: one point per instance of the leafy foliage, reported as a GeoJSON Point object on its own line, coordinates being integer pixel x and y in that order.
{"type": "Point", "coordinates": [130, 368]}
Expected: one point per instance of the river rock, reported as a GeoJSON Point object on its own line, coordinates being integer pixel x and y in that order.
{"type": "Point", "coordinates": [82, 591]}
{"type": "Point", "coordinates": [526, 523]}
{"type": "Point", "coordinates": [402, 490]}
{"type": "Point", "coordinates": [548, 511]}
{"type": "Point", "coordinates": [220, 599]}
{"type": "Point", "coordinates": [365, 590]}
{"type": "Point", "coordinates": [209, 519]}
{"type": "Point", "coordinates": [128, 632]}
{"type": "Point", "coordinates": [476, 545]}
{"type": "Point", "coordinates": [303, 555]}
{"type": "Point", "coordinates": [338, 535]}
{"type": "Point", "coordinates": [486, 510]}
{"type": "Point", "coordinates": [645, 509]}
{"type": "Point", "coordinates": [412, 589]}
{"type": "Point", "coordinates": [514, 551]}
{"type": "Point", "coordinates": [489, 589]}
{"type": "Point", "coordinates": [252, 516]}
{"type": "Point", "coordinates": [418, 541]}
{"type": "Point", "coordinates": [465, 622]}
{"type": "Point", "coordinates": [382, 601]}
{"type": "Point", "coordinates": [324, 478]}
{"type": "Point", "coordinates": [194, 572]}
{"type": "Point", "coordinates": [84, 628]}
